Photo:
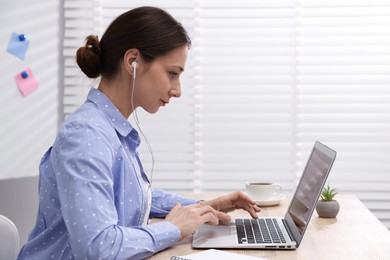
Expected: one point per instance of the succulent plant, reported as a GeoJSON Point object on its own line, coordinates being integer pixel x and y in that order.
{"type": "Point", "coordinates": [328, 194]}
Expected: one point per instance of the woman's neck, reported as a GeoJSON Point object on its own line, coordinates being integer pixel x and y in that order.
{"type": "Point", "coordinates": [119, 92]}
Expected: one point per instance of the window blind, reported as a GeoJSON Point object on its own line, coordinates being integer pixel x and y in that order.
{"type": "Point", "coordinates": [264, 80]}
{"type": "Point", "coordinates": [81, 18]}
{"type": "Point", "coordinates": [247, 80]}
{"type": "Point", "coordinates": [343, 93]}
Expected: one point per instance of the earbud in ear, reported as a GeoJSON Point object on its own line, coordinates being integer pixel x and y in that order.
{"type": "Point", "coordinates": [134, 65]}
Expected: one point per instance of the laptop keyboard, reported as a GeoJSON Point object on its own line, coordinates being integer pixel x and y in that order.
{"type": "Point", "coordinates": [258, 231]}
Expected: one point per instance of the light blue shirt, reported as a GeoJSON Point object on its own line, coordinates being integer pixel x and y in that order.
{"type": "Point", "coordinates": [92, 201]}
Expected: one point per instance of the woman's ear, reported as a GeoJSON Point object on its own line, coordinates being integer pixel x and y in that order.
{"type": "Point", "coordinates": [131, 56]}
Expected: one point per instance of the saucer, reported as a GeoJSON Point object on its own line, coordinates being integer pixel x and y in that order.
{"type": "Point", "coordinates": [273, 201]}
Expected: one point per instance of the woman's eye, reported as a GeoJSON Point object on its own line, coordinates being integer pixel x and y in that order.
{"type": "Point", "coordinates": [173, 74]}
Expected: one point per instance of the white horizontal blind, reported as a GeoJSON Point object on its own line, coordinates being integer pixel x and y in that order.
{"type": "Point", "coordinates": [81, 18]}
{"type": "Point", "coordinates": [264, 80]}
{"type": "Point", "coordinates": [247, 81]}
{"type": "Point", "coordinates": [343, 96]}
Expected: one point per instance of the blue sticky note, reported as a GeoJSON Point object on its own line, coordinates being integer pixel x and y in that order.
{"type": "Point", "coordinates": [18, 45]}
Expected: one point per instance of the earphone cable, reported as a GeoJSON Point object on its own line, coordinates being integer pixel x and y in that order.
{"type": "Point", "coordinates": [135, 117]}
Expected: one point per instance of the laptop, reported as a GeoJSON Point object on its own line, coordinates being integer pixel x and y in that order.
{"type": "Point", "coordinates": [275, 232]}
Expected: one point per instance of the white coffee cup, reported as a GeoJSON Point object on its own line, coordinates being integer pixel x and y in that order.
{"type": "Point", "coordinates": [259, 190]}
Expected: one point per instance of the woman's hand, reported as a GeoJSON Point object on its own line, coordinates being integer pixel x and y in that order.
{"type": "Point", "coordinates": [190, 218]}
{"type": "Point", "coordinates": [231, 202]}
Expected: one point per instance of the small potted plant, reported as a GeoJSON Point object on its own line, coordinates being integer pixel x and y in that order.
{"type": "Point", "coordinates": [327, 207]}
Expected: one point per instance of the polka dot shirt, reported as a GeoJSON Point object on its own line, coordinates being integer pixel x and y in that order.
{"type": "Point", "coordinates": [93, 192]}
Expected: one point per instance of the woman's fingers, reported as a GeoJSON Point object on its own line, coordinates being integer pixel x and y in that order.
{"type": "Point", "coordinates": [210, 218]}
{"type": "Point", "coordinates": [247, 204]}
{"type": "Point", "coordinates": [209, 214]}
{"type": "Point", "coordinates": [251, 209]}
{"type": "Point", "coordinates": [223, 217]}
{"type": "Point", "coordinates": [233, 201]}
{"type": "Point", "coordinates": [189, 218]}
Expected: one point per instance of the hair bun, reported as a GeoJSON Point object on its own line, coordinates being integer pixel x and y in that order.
{"type": "Point", "coordinates": [89, 57]}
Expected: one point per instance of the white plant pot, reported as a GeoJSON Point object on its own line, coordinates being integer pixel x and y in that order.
{"type": "Point", "coordinates": [328, 209]}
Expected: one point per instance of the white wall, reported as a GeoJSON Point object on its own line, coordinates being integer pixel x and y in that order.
{"type": "Point", "coordinates": [28, 123]}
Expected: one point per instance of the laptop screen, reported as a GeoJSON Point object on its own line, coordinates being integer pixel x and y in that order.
{"type": "Point", "coordinates": [309, 188]}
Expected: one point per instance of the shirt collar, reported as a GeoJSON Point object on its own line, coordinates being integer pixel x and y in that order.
{"type": "Point", "coordinates": [117, 120]}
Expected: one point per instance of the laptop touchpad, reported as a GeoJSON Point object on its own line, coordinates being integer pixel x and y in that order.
{"type": "Point", "coordinates": [215, 231]}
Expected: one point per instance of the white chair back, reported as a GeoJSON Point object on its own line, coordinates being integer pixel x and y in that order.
{"type": "Point", "coordinates": [9, 239]}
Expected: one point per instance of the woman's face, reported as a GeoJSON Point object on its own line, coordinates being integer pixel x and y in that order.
{"type": "Point", "coordinates": [159, 80]}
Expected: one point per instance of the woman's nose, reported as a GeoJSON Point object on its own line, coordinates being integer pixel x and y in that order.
{"type": "Point", "coordinates": [176, 91]}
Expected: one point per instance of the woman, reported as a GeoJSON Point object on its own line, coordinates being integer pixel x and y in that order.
{"type": "Point", "coordinates": [95, 199]}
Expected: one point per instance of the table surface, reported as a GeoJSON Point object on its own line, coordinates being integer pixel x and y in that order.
{"type": "Point", "coordinates": [354, 234]}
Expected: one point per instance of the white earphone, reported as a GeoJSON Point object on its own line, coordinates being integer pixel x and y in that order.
{"type": "Point", "coordinates": [135, 116]}
{"type": "Point", "coordinates": [134, 65]}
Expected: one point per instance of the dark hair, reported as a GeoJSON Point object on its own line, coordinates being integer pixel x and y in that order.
{"type": "Point", "coordinates": [151, 30]}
